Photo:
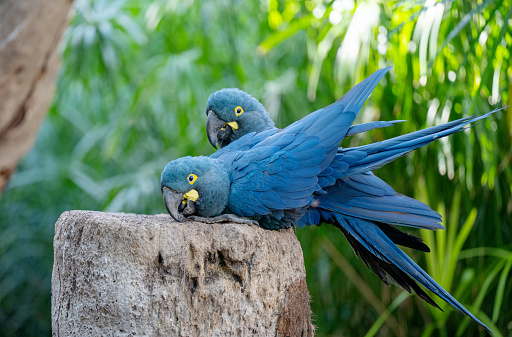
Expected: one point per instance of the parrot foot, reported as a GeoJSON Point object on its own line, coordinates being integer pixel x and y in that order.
{"type": "Point", "coordinates": [224, 218]}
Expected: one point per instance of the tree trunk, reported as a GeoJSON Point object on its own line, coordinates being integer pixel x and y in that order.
{"type": "Point", "coordinates": [30, 31]}
{"type": "Point", "coordinates": [121, 274]}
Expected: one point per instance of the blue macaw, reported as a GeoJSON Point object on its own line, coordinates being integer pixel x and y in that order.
{"type": "Point", "coordinates": [298, 175]}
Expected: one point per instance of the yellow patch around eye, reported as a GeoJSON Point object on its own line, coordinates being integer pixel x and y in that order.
{"type": "Point", "coordinates": [239, 111]}
{"type": "Point", "coordinates": [191, 195]}
{"type": "Point", "coordinates": [234, 125]}
{"type": "Point", "coordinates": [191, 178]}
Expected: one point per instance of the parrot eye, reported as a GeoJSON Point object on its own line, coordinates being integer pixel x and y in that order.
{"type": "Point", "coordinates": [239, 111]}
{"type": "Point", "coordinates": [191, 178]}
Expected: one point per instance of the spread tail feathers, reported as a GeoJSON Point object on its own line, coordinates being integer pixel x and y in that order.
{"type": "Point", "coordinates": [390, 263]}
{"type": "Point", "coordinates": [372, 156]}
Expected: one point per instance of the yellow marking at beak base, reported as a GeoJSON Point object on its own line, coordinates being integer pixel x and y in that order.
{"type": "Point", "coordinates": [191, 195]}
{"type": "Point", "coordinates": [234, 125]}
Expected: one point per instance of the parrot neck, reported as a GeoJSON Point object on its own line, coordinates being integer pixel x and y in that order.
{"type": "Point", "coordinates": [215, 194]}
{"type": "Point", "coordinates": [258, 121]}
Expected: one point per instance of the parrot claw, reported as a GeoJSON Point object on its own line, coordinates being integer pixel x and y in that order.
{"type": "Point", "coordinates": [190, 209]}
{"type": "Point", "coordinates": [224, 218]}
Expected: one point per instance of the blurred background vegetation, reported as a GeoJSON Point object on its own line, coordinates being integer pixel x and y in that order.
{"type": "Point", "coordinates": [132, 94]}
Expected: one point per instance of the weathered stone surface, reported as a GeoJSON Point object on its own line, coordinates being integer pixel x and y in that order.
{"type": "Point", "coordinates": [121, 274]}
{"type": "Point", "coordinates": [30, 31]}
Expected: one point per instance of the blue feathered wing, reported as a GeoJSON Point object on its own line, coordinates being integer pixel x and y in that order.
{"type": "Point", "coordinates": [281, 171]}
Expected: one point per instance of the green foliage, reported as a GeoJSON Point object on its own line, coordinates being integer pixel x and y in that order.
{"type": "Point", "coordinates": [131, 95]}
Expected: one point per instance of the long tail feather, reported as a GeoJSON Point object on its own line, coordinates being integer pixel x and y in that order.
{"type": "Point", "coordinates": [368, 197]}
{"type": "Point", "coordinates": [373, 156]}
{"type": "Point", "coordinates": [359, 128]}
{"type": "Point", "coordinates": [390, 263]}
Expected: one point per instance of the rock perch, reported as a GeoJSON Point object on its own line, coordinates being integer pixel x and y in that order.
{"type": "Point", "coordinates": [119, 274]}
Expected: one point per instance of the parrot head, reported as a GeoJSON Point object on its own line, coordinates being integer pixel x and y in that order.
{"type": "Point", "coordinates": [233, 113]}
{"type": "Point", "coordinates": [194, 186]}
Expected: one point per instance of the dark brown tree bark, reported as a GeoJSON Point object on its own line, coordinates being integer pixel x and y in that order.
{"type": "Point", "coordinates": [30, 32]}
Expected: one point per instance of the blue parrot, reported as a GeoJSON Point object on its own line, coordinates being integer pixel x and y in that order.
{"type": "Point", "coordinates": [298, 175]}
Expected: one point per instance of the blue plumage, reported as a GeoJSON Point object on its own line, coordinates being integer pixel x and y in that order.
{"type": "Point", "coordinates": [376, 155]}
{"type": "Point", "coordinates": [355, 129]}
{"type": "Point", "coordinates": [368, 238]}
{"type": "Point", "coordinates": [372, 199]}
{"type": "Point", "coordinates": [298, 176]}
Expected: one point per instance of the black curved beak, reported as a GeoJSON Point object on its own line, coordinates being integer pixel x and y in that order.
{"type": "Point", "coordinates": [217, 130]}
{"type": "Point", "coordinates": [172, 201]}
{"type": "Point", "coordinates": [213, 126]}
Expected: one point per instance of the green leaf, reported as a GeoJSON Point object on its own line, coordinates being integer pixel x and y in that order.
{"type": "Point", "coordinates": [282, 35]}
